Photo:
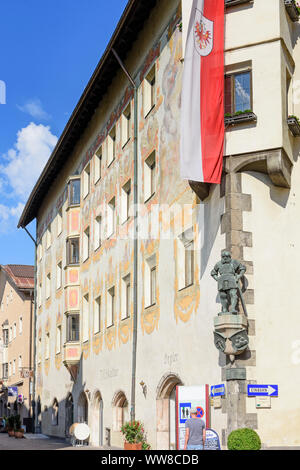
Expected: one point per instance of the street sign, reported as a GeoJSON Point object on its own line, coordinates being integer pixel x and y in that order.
{"type": "Point", "coordinates": [255, 390]}
{"type": "Point", "coordinates": [12, 391]}
{"type": "Point", "coordinates": [217, 390]}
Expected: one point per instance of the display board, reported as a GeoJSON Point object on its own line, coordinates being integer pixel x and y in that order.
{"type": "Point", "coordinates": [186, 398]}
{"type": "Point", "coordinates": [212, 441]}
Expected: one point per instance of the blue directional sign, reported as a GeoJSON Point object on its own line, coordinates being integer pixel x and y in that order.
{"type": "Point", "coordinates": [217, 390]}
{"type": "Point", "coordinates": [255, 390]}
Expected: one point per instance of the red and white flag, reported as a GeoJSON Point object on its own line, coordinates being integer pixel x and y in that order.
{"type": "Point", "coordinates": [202, 101]}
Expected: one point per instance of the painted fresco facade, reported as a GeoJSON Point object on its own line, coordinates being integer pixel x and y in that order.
{"type": "Point", "coordinates": [88, 378]}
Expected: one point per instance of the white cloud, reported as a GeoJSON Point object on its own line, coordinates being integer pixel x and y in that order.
{"type": "Point", "coordinates": [27, 158]}
{"type": "Point", "coordinates": [35, 109]}
{"type": "Point", "coordinates": [20, 169]}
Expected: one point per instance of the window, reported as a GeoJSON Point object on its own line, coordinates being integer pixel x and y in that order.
{"type": "Point", "coordinates": [73, 327]}
{"type": "Point", "coordinates": [111, 307]}
{"type": "Point", "coordinates": [39, 349]}
{"type": "Point", "coordinates": [40, 251]}
{"type": "Point", "coordinates": [149, 91]}
{"type": "Point", "coordinates": [10, 334]}
{"type": "Point", "coordinates": [47, 346]}
{"type": "Point", "coordinates": [9, 369]}
{"type": "Point", "coordinates": [5, 371]}
{"type": "Point", "coordinates": [5, 337]}
{"type": "Point", "coordinates": [74, 192]}
{"type": "Point", "coordinates": [48, 237]}
{"type": "Point", "coordinates": [97, 164]}
{"type": "Point", "coordinates": [59, 222]}
{"type": "Point", "coordinates": [14, 367]}
{"type": "Point", "coordinates": [58, 339]}
{"type": "Point", "coordinates": [59, 275]}
{"type": "Point", "coordinates": [125, 201]}
{"type": "Point", "coordinates": [48, 285]}
{"type": "Point", "coordinates": [111, 146]}
{"type": "Point", "coordinates": [238, 94]}
{"type": "Point", "coordinates": [149, 176]}
{"type": "Point", "coordinates": [20, 362]}
{"type": "Point", "coordinates": [126, 297]}
{"type": "Point", "coordinates": [85, 318]}
{"type": "Point", "coordinates": [39, 294]}
{"type": "Point", "coordinates": [97, 315]}
{"type": "Point", "coordinates": [185, 257]}
{"type": "Point", "coordinates": [14, 330]}
{"type": "Point", "coordinates": [86, 181]}
{"type": "Point", "coordinates": [125, 125]}
{"type": "Point", "coordinates": [111, 217]}
{"type": "Point", "coordinates": [289, 95]}
{"type": "Point", "coordinates": [20, 325]}
{"type": "Point", "coordinates": [97, 232]}
{"type": "Point", "coordinates": [86, 244]}
{"type": "Point", "coordinates": [73, 251]}
{"type": "Point", "coordinates": [150, 281]}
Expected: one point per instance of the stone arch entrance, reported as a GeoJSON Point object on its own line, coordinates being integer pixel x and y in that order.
{"type": "Point", "coordinates": [69, 414]}
{"type": "Point", "coordinates": [97, 420]}
{"type": "Point", "coordinates": [120, 416]}
{"type": "Point", "coordinates": [166, 412]}
{"type": "Point", "coordinates": [83, 409]}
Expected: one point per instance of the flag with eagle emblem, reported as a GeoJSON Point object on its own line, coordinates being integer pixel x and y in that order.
{"type": "Point", "coordinates": [202, 99]}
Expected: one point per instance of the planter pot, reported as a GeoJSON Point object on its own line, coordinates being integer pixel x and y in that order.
{"type": "Point", "coordinates": [11, 433]}
{"type": "Point", "coordinates": [294, 126]}
{"type": "Point", "coordinates": [19, 434]}
{"type": "Point", "coordinates": [128, 446]}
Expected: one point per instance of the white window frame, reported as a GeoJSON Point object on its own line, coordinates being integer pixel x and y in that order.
{"type": "Point", "coordinates": [111, 305]}
{"type": "Point", "coordinates": [126, 297]}
{"type": "Point", "coordinates": [149, 176]}
{"type": "Point", "coordinates": [97, 315]}
{"type": "Point", "coordinates": [58, 275]}
{"type": "Point", "coordinates": [126, 125]}
{"type": "Point", "coordinates": [149, 89]}
{"type": "Point", "coordinates": [150, 283]}
{"type": "Point", "coordinates": [111, 146]}
{"type": "Point", "coordinates": [86, 181]}
{"type": "Point", "coordinates": [97, 164]}
{"type": "Point", "coordinates": [85, 317]}
{"type": "Point", "coordinates": [111, 217]}
{"type": "Point", "coordinates": [86, 244]}
{"type": "Point", "coordinates": [125, 201]}
{"type": "Point", "coordinates": [97, 232]}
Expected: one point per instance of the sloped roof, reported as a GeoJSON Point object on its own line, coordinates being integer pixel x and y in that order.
{"type": "Point", "coordinates": [22, 275]}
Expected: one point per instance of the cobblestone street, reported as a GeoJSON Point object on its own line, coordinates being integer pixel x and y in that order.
{"type": "Point", "coordinates": [11, 443]}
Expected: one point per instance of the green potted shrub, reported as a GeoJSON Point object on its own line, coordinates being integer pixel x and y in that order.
{"type": "Point", "coordinates": [19, 431]}
{"type": "Point", "coordinates": [133, 433]}
{"type": "Point", "coordinates": [243, 439]}
{"type": "Point", "coordinates": [11, 426]}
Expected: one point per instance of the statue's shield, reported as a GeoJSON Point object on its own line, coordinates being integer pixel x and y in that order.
{"type": "Point", "coordinates": [203, 34]}
{"type": "Point", "coordinates": [239, 340]}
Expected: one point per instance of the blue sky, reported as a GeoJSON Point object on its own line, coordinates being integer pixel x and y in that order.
{"type": "Point", "coordinates": [48, 51]}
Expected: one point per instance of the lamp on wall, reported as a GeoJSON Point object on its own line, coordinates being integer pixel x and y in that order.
{"type": "Point", "coordinates": [144, 388]}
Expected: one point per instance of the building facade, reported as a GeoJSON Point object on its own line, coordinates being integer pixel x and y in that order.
{"type": "Point", "coordinates": [17, 316]}
{"type": "Point", "coordinates": [126, 306]}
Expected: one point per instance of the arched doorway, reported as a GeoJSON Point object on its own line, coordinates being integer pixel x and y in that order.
{"type": "Point", "coordinates": [83, 409]}
{"type": "Point", "coordinates": [166, 412]}
{"type": "Point", "coordinates": [97, 420]}
{"type": "Point", "coordinates": [120, 417]}
{"type": "Point", "coordinates": [69, 414]}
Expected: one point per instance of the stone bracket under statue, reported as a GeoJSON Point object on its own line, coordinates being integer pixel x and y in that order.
{"type": "Point", "coordinates": [230, 333]}
{"type": "Point", "coordinates": [230, 326]}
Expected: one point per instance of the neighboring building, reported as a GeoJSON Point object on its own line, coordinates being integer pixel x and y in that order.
{"type": "Point", "coordinates": [88, 291]}
{"type": "Point", "coordinates": [16, 320]}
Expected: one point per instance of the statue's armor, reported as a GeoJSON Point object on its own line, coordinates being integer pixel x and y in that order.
{"type": "Point", "coordinates": [227, 271]}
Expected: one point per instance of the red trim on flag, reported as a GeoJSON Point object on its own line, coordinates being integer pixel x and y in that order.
{"type": "Point", "coordinates": [212, 97]}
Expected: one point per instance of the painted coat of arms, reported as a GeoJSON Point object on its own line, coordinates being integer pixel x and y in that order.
{"type": "Point", "coordinates": [203, 34]}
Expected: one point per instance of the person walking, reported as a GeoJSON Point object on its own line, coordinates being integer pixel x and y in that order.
{"type": "Point", "coordinates": [195, 432]}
